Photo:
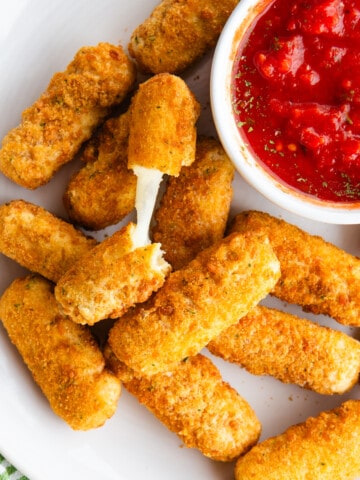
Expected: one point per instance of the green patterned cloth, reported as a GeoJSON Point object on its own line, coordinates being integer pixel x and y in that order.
{"type": "Point", "coordinates": [9, 472]}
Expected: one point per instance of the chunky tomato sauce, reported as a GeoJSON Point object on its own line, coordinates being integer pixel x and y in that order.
{"type": "Point", "coordinates": [296, 94]}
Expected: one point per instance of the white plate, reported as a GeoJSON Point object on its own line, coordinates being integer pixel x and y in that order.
{"type": "Point", "coordinates": [37, 38]}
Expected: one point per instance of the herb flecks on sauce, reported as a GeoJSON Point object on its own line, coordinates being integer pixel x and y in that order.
{"type": "Point", "coordinates": [296, 95]}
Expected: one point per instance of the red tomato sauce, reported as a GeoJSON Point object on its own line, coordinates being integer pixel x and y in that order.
{"type": "Point", "coordinates": [296, 95]}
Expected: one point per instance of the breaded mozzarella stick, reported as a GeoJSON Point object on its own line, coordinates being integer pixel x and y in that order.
{"type": "Point", "coordinates": [315, 274]}
{"type": "Point", "coordinates": [40, 241]}
{"type": "Point", "coordinates": [162, 125]}
{"type": "Point", "coordinates": [326, 447]}
{"type": "Point", "coordinates": [111, 278]}
{"type": "Point", "coordinates": [196, 303]}
{"type": "Point", "coordinates": [162, 139]}
{"type": "Point", "coordinates": [294, 350]}
{"type": "Point", "coordinates": [193, 401]}
{"type": "Point", "coordinates": [66, 114]}
{"type": "Point", "coordinates": [194, 209]}
{"type": "Point", "coordinates": [178, 32]}
{"type": "Point", "coordinates": [63, 357]}
{"type": "Point", "coordinates": [103, 191]}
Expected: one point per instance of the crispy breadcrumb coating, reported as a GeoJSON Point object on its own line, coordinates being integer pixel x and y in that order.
{"type": "Point", "coordinates": [294, 350]}
{"type": "Point", "coordinates": [103, 191]}
{"type": "Point", "coordinates": [40, 241]}
{"type": "Point", "coordinates": [194, 209]}
{"type": "Point", "coordinates": [193, 401]}
{"type": "Point", "coordinates": [315, 274]}
{"type": "Point", "coordinates": [62, 356]}
{"type": "Point", "coordinates": [196, 303]}
{"type": "Point", "coordinates": [177, 33]}
{"type": "Point", "coordinates": [111, 278]}
{"type": "Point", "coordinates": [326, 447]}
{"type": "Point", "coordinates": [75, 102]}
{"type": "Point", "coordinates": [162, 125]}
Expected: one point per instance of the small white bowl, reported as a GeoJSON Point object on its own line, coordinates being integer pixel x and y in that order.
{"type": "Point", "coordinates": [235, 145]}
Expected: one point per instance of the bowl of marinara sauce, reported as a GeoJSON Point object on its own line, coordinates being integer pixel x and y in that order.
{"type": "Point", "coordinates": [285, 97]}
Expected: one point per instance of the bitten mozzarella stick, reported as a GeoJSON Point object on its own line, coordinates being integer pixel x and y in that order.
{"type": "Point", "coordinates": [196, 303]}
{"type": "Point", "coordinates": [40, 241]}
{"type": "Point", "coordinates": [126, 268]}
{"type": "Point", "coordinates": [194, 209]}
{"type": "Point", "coordinates": [193, 401]}
{"type": "Point", "coordinates": [111, 278]}
{"type": "Point", "coordinates": [162, 139]}
{"type": "Point", "coordinates": [326, 447]}
{"type": "Point", "coordinates": [76, 101]}
{"type": "Point", "coordinates": [270, 342]}
{"type": "Point", "coordinates": [103, 191]}
{"type": "Point", "coordinates": [315, 274]}
{"type": "Point", "coordinates": [63, 357]}
{"type": "Point", "coordinates": [178, 32]}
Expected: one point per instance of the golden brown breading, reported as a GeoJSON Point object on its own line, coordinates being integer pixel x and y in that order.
{"type": "Point", "coordinates": [194, 209]}
{"type": "Point", "coordinates": [326, 447]}
{"type": "Point", "coordinates": [40, 241]}
{"type": "Point", "coordinates": [193, 401]}
{"type": "Point", "coordinates": [103, 191]}
{"type": "Point", "coordinates": [162, 125]}
{"type": "Point", "coordinates": [196, 303]}
{"type": "Point", "coordinates": [111, 278]}
{"type": "Point", "coordinates": [66, 114]}
{"type": "Point", "coordinates": [294, 350]}
{"type": "Point", "coordinates": [63, 357]}
{"type": "Point", "coordinates": [178, 32]}
{"type": "Point", "coordinates": [315, 274]}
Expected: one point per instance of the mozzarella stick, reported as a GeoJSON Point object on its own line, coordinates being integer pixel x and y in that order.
{"type": "Point", "coordinates": [326, 447]}
{"type": "Point", "coordinates": [40, 241]}
{"type": "Point", "coordinates": [177, 33]}
{"type": "Point", "coordinates": [315, 274]}
{"type": "Point", "coordinates": [195, 206]}
{"type": "Point", "coordinates": [196, 303]}
{"type": "Point", "coordinates": [162, 125]}
{"type": "Point", "coordinates": [162, 139]}
{"type": "Point", "coordinates": [111, 278]}
{"type": "Point", "coordinates": [103, 191]}
{"type": "Point", "coordinates": [194, 402]}
{"type": "Point", "coordinates": [63, 357]}
{"type": "Point", "coordinates": [270, 342]}
{"type": "Point", "coordinates": [66, 114]}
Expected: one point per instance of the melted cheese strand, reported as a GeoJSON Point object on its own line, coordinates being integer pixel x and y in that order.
{"type": "Point", "coordinates": [148, 183]}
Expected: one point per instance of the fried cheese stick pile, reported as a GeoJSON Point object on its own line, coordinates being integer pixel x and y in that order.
{"type": "Point", "coordinates": [209, 301]}
{"type": "Point", "coordinates": [194, 209]}
{"type": "Point", "coordinates": [294, 350]}
{"type": "Point", "coordinates": [103, 191]}
{"type": "Point", "coordinates": [266, 341]}
{"type": "Point", "coordinates": [40, 241]}
{"type": "Point", "coordinates": [196, 303]}
{"type": "Point", "coordinates": [326, 447]}
{"type": "Point", "coordinates": [126, 268]}
{"type": "Point", "coordinates": [62, 356]}
{"type": "Point", "coordinates": [318, 276]}
{"type": "Point", "coordinates": [194, 402]}
{"type": "Point", "coordinates": [66, 114]}
{"type": "Point", "coordinates": [177, 33]}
